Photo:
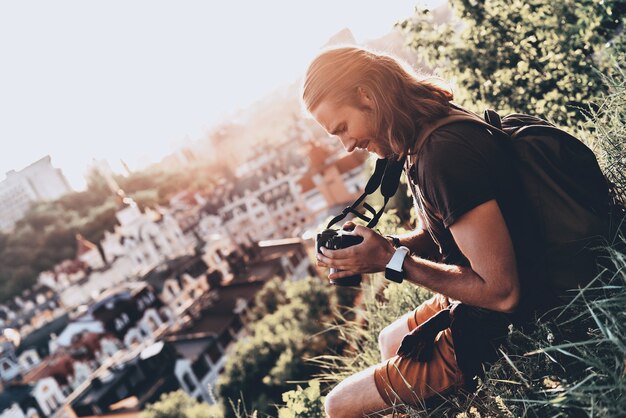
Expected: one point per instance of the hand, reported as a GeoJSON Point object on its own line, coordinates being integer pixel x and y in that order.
{"type": "Point", "coordinates": [420, 342]}
{"type": "Point", "coordinates": [370, 256]}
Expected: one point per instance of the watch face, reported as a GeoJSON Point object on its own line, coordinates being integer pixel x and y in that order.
{"type": "Point", "coordinates": [394, 275]}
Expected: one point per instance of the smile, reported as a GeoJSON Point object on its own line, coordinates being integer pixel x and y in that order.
{"type": "Point", "coordinates": [363, 145]}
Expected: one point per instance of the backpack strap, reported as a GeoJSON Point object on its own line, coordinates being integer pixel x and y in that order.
{"type": "Point", "coordinates": [459, 114]}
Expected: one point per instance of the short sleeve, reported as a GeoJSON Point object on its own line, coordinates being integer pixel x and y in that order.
{"type": "Point", "coordinates": [456, 171]}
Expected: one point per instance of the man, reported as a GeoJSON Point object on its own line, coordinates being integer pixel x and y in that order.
{"type": "Point", "coordinates": [466, 196]}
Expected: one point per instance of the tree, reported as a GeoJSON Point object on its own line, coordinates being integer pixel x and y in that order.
{"type": "Point", "coordinates": [532, 56]}
{"type": "Point", "coordinates": [275, 353]}
{"type": "Point", "coordinates": [178, 405]}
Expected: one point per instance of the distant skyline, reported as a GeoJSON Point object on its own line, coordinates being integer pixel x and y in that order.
{"type": "Point", "coordinates": [133, 80]}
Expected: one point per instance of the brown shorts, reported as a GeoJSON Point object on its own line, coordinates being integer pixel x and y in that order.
{"type": "Point", "coordinates": [408, 381]}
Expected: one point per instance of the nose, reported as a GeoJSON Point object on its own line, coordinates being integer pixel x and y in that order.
{"type": "Point", "coordinates": [348, 143]}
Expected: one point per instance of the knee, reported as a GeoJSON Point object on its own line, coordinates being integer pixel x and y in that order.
{"type": "Point", "coordinates": [333, 405]}
{"type": "Point", "coordinates": [385, 344]}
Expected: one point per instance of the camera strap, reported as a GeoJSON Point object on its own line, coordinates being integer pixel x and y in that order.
{"type": "Point", "coordinates": [386, 176]}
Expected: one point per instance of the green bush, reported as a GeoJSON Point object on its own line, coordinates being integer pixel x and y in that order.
{"type": "Point", "coordinates": [303, 403]}
{"type": "Point", "coordinates": [177, 405]}
{"type": "Point", "coordinates": [274, 356]}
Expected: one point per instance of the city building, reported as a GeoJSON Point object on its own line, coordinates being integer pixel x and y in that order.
{"type": "Point", "coordinates": [332, 180]}
{"type": "Point", "coordinates": [146, 239]}
{"type": "Point", "coordinates": [178, 283]}
{"type": "Point", "coordinates": [17, 401]}
{"type": "Point", "coordinates": [129, 384]}
{"type": "Point", "coordinates": [131, 313]}
{"type": "Point", "coordinates": [32, 309]}
{"type": "Point", "coordinates": [88, 253]}
{"type": "Point", "coordinates": [203, 343]}
{"type": "Point", "coordinates": [263, 202]}
{"type": "Point", "coordinates": [39, 181]}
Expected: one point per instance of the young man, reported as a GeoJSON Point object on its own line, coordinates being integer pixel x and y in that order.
{"type": "Point", "coordinates": [471, 213]}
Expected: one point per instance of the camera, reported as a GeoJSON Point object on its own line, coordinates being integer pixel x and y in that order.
{"type": "Point", "coordinates": [334, 239]}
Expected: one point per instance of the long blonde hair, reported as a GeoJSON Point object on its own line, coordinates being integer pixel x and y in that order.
{"type": "Point", "coordinates": [402, 103]}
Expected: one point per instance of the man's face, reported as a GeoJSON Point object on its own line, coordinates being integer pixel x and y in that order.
{"type": "Point", "coordinates": [354, 126]}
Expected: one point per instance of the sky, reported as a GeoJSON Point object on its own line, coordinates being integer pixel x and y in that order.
{"type": "Point", "coordinates": [134, 79]}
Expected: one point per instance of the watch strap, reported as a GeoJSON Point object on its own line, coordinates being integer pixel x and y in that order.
{"type": "Point", "coordinates": [393, 269]}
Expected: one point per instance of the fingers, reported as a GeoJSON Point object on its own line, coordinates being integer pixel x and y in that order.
{"type": "Point", "coordinates": [348, 226]}
{"type": "Point", "coordinates": [362, 231]}
{"type": "Point", "coordinates": [329, 258]}
{"type": "Point", "coordinates": [336, 254]}
{"type": "Point", "coordinates": [322, 264]}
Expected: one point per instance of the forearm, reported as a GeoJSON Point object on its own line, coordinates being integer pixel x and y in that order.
{"type": "Point", "coordinates": [460, 283]}
{"type": "Point", "coordinates": [420, 243]}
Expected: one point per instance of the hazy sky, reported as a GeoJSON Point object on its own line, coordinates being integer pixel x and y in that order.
{"type": "Point", "coordinates": [131, 79]}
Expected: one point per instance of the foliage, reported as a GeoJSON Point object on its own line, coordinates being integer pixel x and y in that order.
{"type": "Point", "coordinates": [177, 405]}
{"type": "Point", "coordinates": [268, 300]}
{"type": "Point", "coordinates": [274, 356]}
{"type": "Point", "coordinates": [607, 120]}
{"type": "Point", "coordinates": [382, 303]}
{"type": "Point", "coordinates": [303, 403]}
{"type": "Point", "coordinates": [537, 57]}
{"type": "Point", "coordinates": [572, 365]}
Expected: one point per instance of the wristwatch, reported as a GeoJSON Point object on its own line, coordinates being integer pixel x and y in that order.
{"type": "Point", "coordinates": [393, 269]}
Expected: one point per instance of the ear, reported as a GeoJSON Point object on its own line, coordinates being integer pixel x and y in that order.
{"type": "Point", "coordinates": [365, 97]}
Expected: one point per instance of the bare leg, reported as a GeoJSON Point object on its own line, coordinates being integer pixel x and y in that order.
{"type": "Point", "coordinates": [355, 397]}
{"type": "Point", "coordinates": [391, 336]}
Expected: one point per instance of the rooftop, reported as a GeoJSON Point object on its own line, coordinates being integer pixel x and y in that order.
{"type": "Point", "coordinates": [14, 394]}
{"type": "Point", "coordinates": [39, 338]}
{"type": "Point", "coordinates": [216, 318]}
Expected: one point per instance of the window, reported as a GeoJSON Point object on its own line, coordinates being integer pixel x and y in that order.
{"type": "Point", "coordinates": [51, 404]}
{"type": "Point", "coordinates": [200, 368]}
{"type": "Point", "coordinates": [188, 380]}
{"type": "Point", "coordinates": [118, 324]}
{"type": "Point", "coordinates": [225, 338]}
{"type": "Point", "coordinates": [214, 353]}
